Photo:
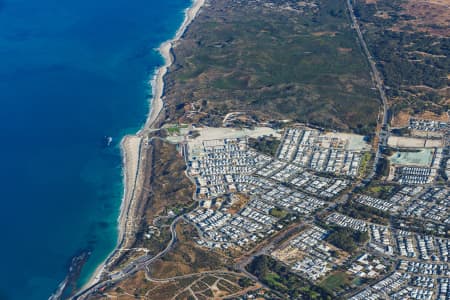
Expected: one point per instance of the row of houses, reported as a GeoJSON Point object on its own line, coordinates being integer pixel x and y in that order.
{"type": "Point", "coordinates": [414, 175]}
{"type": "Point", "coordinates": [431, 203]}
{"type": "Point", "coordinates": [397, 242]}
{"type": "Point", "coordinates": [427, 125]}
{"type": "Point", "coordinates": [403, 285]}
{"type": "Point", "coordinates": [311, 149]}
{"type": "Point", "coordinates": [309, 254]}
{"type": "Point", "coordinates": [229, 166]}
{"type": "Point", "coordinates": [379, 204]}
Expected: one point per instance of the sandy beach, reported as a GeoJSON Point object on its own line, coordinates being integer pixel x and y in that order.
{"type": "Point", "coordinates": [157, 82]}
{"type": "Point", "coordinates": [131, 144]}
{"type": "Point", "coordinates": [130, 147]}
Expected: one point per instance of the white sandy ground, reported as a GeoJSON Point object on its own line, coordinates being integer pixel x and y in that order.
{"type": "Point", "coordinates": [212, 133]}
{"type": "Point", "coordinates": [356, 142]}
{"type": "Point", "coordinates": [130, 145]}
{"type": "Point", "coordinates": [130, 148]}
{"type": "Point", "coordinates": [408, 142]}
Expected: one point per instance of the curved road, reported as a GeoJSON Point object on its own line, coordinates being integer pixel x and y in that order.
{"type": "Point", "coordinates": [132, 268]}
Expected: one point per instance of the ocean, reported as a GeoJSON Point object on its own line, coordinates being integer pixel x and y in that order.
{"type": "Point", "coordinates": [71, 73]}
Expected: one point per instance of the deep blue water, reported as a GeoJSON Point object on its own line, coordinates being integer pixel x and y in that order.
{"type": "Point", "coordinates": [71, 72]}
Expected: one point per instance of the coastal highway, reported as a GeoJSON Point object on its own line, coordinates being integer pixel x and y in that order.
{"type": "Point", "coordinates": [383, 132]}
{"type": "Point", "coordinates": [138, 264]}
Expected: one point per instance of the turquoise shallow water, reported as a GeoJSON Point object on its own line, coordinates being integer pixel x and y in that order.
{"type": "Point", "coordinates": [71, 72]}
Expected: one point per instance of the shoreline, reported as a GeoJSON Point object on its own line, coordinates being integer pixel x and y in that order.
{"type": "Point", "coordinates": [130, 145]}
{"type": "Point", "coordinates": [157, 82]}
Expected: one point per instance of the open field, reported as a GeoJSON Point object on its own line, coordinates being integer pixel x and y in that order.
{"type": "Point", "coordinates": [211, 133]}
{"type": "Point", "coordinates": [291, 62]}
{"type": "Point", "coordinates": [185, 271]}
{"type": "Point", "coordinates": [186, 257]}
{"type": "Point", "coordinates": [335, 282]}
{"type": "Point", "coordinates": [409, 142]}
{"type": "Point", "coordinates": [402, 118]}
{"type": "Point", "coordinates": [166, 188]}
{"type": "Point", "coordinates": [169, 186]}
{"type": "Point", "coordinates": [431, 16]}
{"type": "Point", "coordinates": [202, 286]}
{"type": "Point", "coordinates": [354, 142]}
{"type": "Point", "coordinates": [276, 276]}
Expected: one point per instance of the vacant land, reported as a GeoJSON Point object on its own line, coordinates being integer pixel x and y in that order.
{"type": "Point", "coordinates": [335, 282]}
{"type": "Point", "coordinates": [289, 60]}
{"type": "Point", "coordinates": [402, 118]}
{"type": "Point", "coordinates": [276, 276]}
{"type": "Point", "coordinates": [166, 189]}
{"type": "Point", "coordinates": [186, 257]}
{"type": "Point", "coordinates": [265, 144]}
{"type": "Point", "coordinates": [170, 189]}
{"type": "Point", "coordinates": [407, 142]}
{"type": "Point", "coordinates": [185, 272]}
{"type": "Point", "coordinates": [410, 41]}
{"type": "Point", "coordinates": [201, 286]}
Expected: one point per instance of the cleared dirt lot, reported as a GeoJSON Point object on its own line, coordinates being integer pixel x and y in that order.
{"type": "Point", "coordinates": [406, 142]}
